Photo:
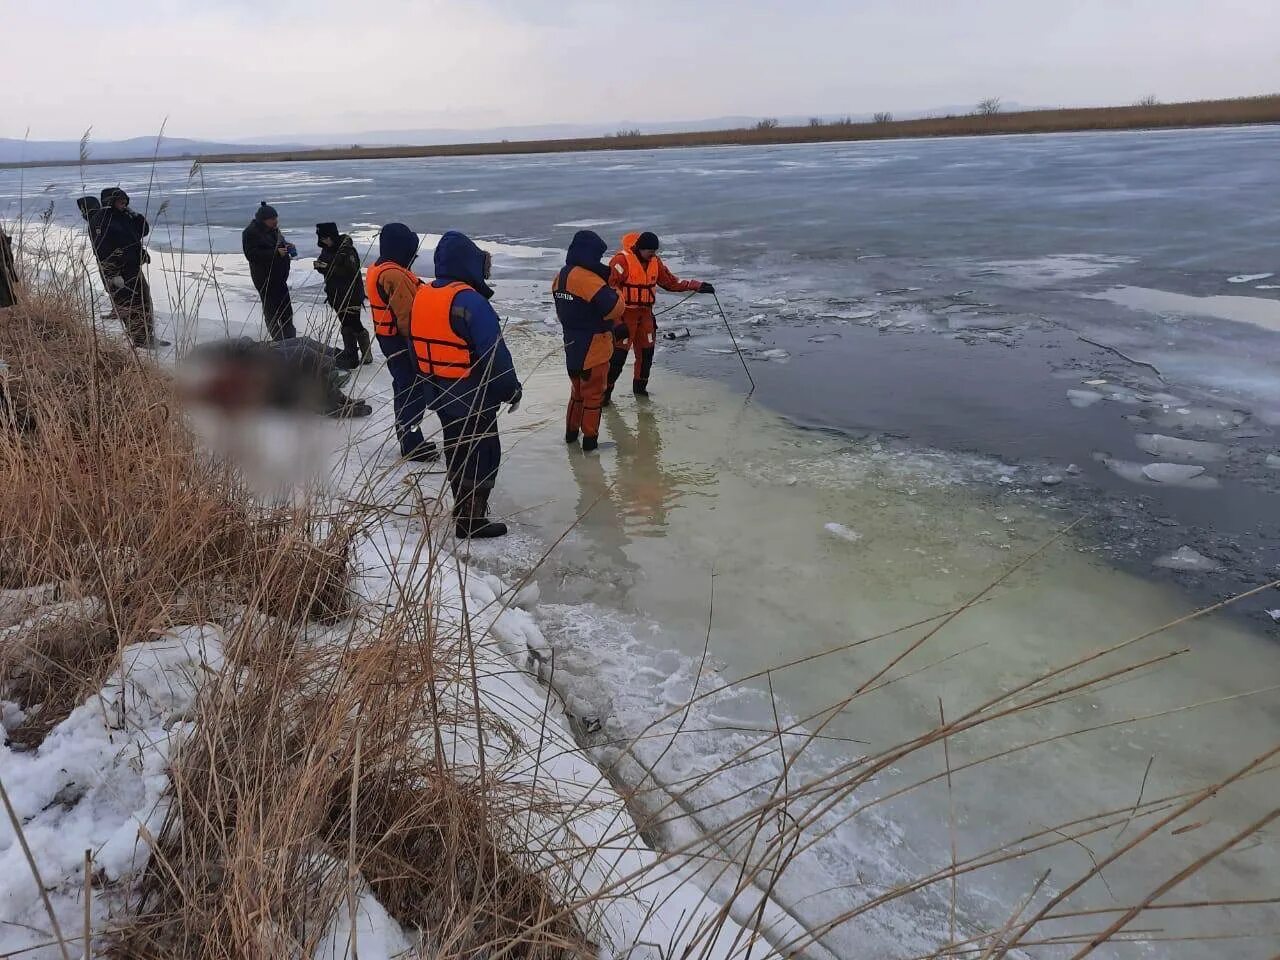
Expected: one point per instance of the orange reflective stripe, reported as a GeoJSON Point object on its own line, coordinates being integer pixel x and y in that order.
{"type": "Point", "coordinates": [384, 322]}
{"type": "Point", "coordinates": [439, 351]}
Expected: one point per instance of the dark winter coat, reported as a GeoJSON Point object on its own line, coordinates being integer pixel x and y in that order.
{"type": "Point", "coordinates": [493, 379]}
{"type": "Point", "coordinates": [266, 266]}
{"type": "Point", "coordinates": [586, 305]}
{"type": "Point", "coordinates": [117, 241]}
{"type": "Point", "coordinates": [343, 278]}
{"type": "Point", "coordinates": [8, 272]}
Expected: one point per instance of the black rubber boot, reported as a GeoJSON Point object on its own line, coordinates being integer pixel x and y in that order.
{"type": "Point", "coordinates": [349, 357]}
{"type": "Point", "coordinates": [366, 350]}
{"type": "Point", "coordinates": [473, 522]}
{"type": "Point", "coordinates": [571, 436]}
{"type": "Point", "coordinates": [589, 444]}
{"type": "Point", "coordinates": [640, 388]}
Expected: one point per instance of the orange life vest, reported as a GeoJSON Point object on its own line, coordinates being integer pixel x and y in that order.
{"type": "Point", "coordinates": [640, 289]}
{"type": "Point", "coordinates": [384, 322]}
{"type": "Point", "coordinates": [439, 351]}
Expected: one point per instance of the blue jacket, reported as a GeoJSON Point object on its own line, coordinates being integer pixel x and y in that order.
{"type": "Point", "coordinates": [494, 379]}
{"type": "Point", "coordinates": [585, 303]}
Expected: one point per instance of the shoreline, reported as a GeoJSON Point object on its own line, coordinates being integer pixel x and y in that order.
{"type": "Point", "coordinates": [1206, 114]}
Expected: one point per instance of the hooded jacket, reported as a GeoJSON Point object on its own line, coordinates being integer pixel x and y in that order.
{"type": "Point", "coordinates": [588, 309]}
{"type": "Point", "coordinates": [343, 277]}
{"type": "Point", "coordinates": [397, 244]}
{"type": "Point", "coordinates": [259, 243]}
{"type": "Point", "coordinates": [117, 235]}
{"type": "Point", "coordinates": [458, 259]}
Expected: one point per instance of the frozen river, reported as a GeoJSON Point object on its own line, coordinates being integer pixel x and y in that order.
{"type": "Point", "coordinates": [936, 328]}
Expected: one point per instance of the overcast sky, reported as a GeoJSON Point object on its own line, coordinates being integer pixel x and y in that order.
{"type": "Point", "coordinates": [235, 69]}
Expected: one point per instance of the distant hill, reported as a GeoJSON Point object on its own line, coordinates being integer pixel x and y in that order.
{"type": "Point", "coordinates": [63, 151]}
{"type": "Point", "coordinates": [60, 151]}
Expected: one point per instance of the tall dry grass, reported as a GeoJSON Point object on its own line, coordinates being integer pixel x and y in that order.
{"type": "Point", "coordinates": [312, 761]}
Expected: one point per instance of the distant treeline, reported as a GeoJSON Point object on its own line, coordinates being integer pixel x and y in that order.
{"type": "Point", "coordinates": [987, 119]}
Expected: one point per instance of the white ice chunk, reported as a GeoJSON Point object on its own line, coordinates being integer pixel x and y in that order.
{"type": "Point", "coordinates": [1186, 560]}
{"type": "Point", "coordinates": [1171, 472]}
{"type": "Point", "coordinates": [1250, 277]}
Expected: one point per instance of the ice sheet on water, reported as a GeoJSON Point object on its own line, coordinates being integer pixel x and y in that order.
{"type": "Point", "coordinates": [1258, 311]}
{"type": "Point", "coordinates": [1250, 277]}
{"type": "Point", "coordinates": [1045, 271]}
{"type": "Point", "coordinates": [1158, 445]}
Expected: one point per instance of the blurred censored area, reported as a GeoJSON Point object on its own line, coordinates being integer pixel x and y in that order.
{"type": "Point", "coordinates": [256, 404]}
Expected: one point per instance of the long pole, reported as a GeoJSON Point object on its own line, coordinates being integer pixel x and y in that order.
{"type": "Point", "coordinates": [736, 348]}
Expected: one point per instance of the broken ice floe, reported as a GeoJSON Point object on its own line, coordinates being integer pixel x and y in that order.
{"type": "Point", "coordinates": [1158, 445]}
{"type": "Point", "coordinates": [1171, 472]}
{"type": "Point", "coordinates": [1164, 474]}
{"type": "Point", "coordinates": [1250, 277]}
{"type": "Point", "coordinates": [1186, 560]}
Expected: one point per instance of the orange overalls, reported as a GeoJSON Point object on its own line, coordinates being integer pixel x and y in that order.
{"type": "Point", "coordinates": [637, 283]}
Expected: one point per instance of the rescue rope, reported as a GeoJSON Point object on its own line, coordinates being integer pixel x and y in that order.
{"type": "Point", "coordinates": [736, 348]}
{"type": "Point", "coordinates": [678, 303]}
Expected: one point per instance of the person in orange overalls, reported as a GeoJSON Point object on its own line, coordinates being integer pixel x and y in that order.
{"type": "Point", "coordinates": [636, 271]}
{"type": "Point", "coordinates": [590, 311]}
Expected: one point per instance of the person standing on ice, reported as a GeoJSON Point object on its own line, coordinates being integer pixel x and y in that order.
{"type": "Point", "coordinates": [590, 311]}
{"type": "Point", "coordinates": [118, 235]}
{"type": "Point", "coordinates": [456, 338]}
{"type": "Point", "coordinates": [8, 272]}
{"type": "Point", "coordinates": [339, 264]}
{"type": "Point", "coordinates": [636, 271]}
{"type": "Point", "coordinates": [269, 254]}
{"type": "Point", "coordinates": [391, 286]}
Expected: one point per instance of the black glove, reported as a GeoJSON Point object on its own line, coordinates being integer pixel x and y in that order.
{"type": "Point", "coordinates": [620, 333]}
{"type": "Point", "coordinates": [706, 288]}
{"type": "Point", "coordinates": [515, 400]}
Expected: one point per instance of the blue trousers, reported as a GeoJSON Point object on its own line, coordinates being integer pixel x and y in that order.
{"type": "Point", "coordinates": [410, 391]}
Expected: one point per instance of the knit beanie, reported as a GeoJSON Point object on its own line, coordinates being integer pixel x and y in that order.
{"type": "Point", "coordinates": [265, 212]}
{"type": "Point", "coordinates": [647, 241]}
{"type": "Point", "coordinates": [327, 230]}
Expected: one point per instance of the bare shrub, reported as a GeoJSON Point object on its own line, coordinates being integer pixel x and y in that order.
{"type": "Point", "coordinates": [988, 107]}
{"type": "Point", "coordinates": [768, 123]}
{"type": "Point", "coordinates": [882, 117]}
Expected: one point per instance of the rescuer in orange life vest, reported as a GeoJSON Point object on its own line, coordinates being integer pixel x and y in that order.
{"type": "Point", "coordinates": [590, 312]}
{"type": "Point", "coordinates": [636, 271]}
{"type": "Point", "coordinates": [391, 286]}
{"type": "Point", "coordinates": [456, 338]}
